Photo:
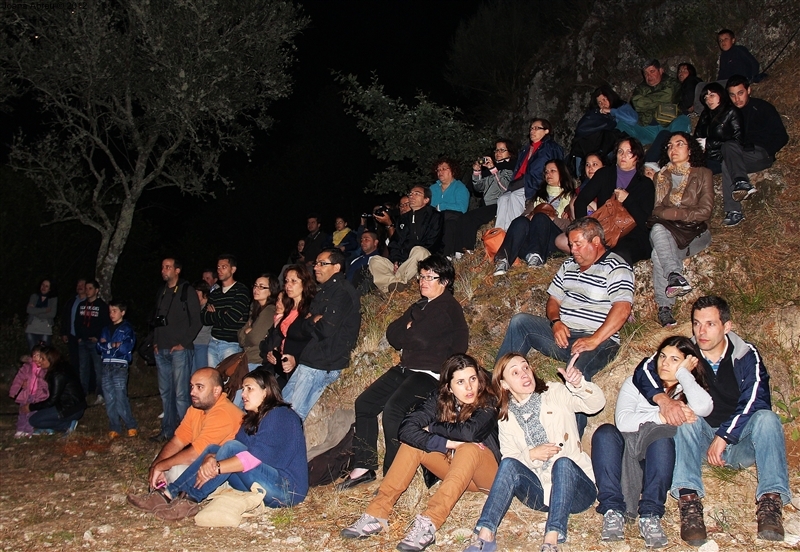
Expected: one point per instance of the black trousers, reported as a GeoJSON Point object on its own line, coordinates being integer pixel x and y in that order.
{"type": "Point", "coordinates": [394, 393]}
{"type": "Point", "coordinates": [469, 224]}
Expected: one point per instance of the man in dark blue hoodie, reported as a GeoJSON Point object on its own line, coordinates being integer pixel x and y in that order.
{"type": "Point", "coordinates": [90, 319]}
{"type": "Point", "coordinates": [741, 430]}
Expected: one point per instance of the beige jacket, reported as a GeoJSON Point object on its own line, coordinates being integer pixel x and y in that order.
{"type": "Point", "coordinates": [559, 404]}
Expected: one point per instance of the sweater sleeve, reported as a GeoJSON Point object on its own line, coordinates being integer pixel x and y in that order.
{"type": "Point", "coordinates": [632, 409]}
{"type": "Point", "coordinates": [474, 430]}
{"type": "Point", "coordinates": [697, 398]}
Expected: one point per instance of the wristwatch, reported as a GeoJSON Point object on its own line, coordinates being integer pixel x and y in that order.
{"type": "Point", "coordinates": [553, 322]}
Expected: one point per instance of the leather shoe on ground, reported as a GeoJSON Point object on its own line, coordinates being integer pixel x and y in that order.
{"type": "Point", "coordinates": [769, 514]}
{"type": "Point", "coordinates": [180, 508]}
{"type": "Point", "coordinates": [693, 528]}
{"type": "Point", "coordinates": [349, 483]}
{"type": "Point", "coordinates": [149, 502]}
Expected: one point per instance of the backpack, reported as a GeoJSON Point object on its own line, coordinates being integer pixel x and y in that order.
{"type": "Point", "coordinates": [328, 466]}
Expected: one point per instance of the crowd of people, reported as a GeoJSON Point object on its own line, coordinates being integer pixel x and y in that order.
{"type": "Point", "coordinates": [506, 433]}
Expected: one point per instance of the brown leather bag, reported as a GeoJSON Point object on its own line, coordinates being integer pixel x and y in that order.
{"type": "Point", "coordinates": [233, 370]}
{"type": "Point", "coordinates": [615, 220]}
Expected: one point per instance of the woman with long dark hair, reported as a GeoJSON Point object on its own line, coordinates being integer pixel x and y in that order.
{"type": "Point", "coordinates": [41, 310]}
{"type": "Point", "coordinates": [684, 202]}
{"type": "Point", "coordinates": [720, 122]}
{"type": "Point", "coordinates": [633, 460]}
{"type": "Point", "coordinates": [286, 339]}
{"type": "Point", "coordinates": [543, 463]}
{"type": "Point", "coordinates": [269, 449]}
{"type": "Point", "coordinates": [626, 182]}
{"type": "Point", "coordinates": [532, 236]}
{"type": "Point", "coordinates": [453, 435]}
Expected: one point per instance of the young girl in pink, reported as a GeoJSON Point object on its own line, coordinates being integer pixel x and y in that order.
{"type": "Point", "coordinates": [29, 386]}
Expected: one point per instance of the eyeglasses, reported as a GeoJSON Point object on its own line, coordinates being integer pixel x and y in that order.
{"type": "Point", "coordinates": [323, 263]}
{"type": "Point", "coordinates": [538, 128]}
{"type": "Point", "coordinates": [678, 144]}
{"type": "Point", "coordinates": [416, 193]}
{"type": "Point", "coordinates": [426, 277]}
{"type": "Point", "coordinates": [259, 286]}
{"type": "Point", "coordinates": [500, 150]}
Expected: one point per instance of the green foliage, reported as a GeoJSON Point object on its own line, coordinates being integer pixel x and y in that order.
{"type": "Point", "coordinates": [140, 94]}
{"type": "Point", "coordinates": [409, 138]}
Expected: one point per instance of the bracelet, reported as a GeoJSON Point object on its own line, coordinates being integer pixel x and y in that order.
{"type": "Point", "coordinates": [219, 471]}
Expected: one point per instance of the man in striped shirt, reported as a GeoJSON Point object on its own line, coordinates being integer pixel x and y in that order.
{"type": "Point", "coordinates": [590, 299]}
{"type": "Point", "coordinates": [227, 310]}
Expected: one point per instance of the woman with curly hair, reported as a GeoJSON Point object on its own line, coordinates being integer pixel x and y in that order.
{"type": "Point", "coordinates": [453, 435]}
{"type": "Point", "coordinates": [684, 202]}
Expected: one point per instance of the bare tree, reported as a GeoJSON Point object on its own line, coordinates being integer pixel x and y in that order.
{"type": "Point", "coordinates": [134, 95]}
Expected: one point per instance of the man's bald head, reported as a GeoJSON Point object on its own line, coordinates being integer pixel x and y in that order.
{"type": "Point", "coordinates": [206, 388]}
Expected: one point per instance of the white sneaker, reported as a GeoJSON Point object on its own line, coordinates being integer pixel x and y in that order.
{"type": "Point", "coordinates": [99, 400]}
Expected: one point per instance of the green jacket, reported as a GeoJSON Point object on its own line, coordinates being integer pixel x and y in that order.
{"type": "Point", "coordinates": [646, 98]}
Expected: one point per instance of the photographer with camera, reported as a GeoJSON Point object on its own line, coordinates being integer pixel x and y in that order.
{"type": "Point", "coordinates": [176, 323]}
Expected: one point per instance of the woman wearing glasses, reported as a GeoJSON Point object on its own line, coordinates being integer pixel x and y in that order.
{"type": "Point", "coordinates": [684, 202]}
{"type": "Point", "coordinates": [428, 333]}
{"type": "Point", "coordinates": [627, 183]}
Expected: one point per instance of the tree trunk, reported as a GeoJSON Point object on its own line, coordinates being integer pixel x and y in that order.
{"type": "Point", "coordinates": [111, 245]}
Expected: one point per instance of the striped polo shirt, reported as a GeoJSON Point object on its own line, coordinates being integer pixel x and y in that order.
{"type": "Point", "coordinates": [586, 297]}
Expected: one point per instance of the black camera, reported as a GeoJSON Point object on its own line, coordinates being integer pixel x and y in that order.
{"type": "Point", "coordinates": [366, 215]}
{"type": "Point", "coordinates": [380, 211]}
{"type": "Point", "coordinates": [160, 320]}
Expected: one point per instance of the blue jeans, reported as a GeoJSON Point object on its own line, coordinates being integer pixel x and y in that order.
{"type": "Point", "coordinates": [48, 418]}
{"type": "Point", "coordinates": [608, 448]}
{"type": "Point", "coordinates": [173, 385]}
{"type": "Point", "coordinates": [278, 488]}
{"type": "Point", "coordinates": [305, 387]}
{"type": "Point", "coordinates": [89, 360]}
{"type": "Point", "coordinates": [199, 357]}
{"type": "Point", "coordinates": [572, 491]}
{"type": "Point", "coordinates": [526, 332]}
{"type": "Point", "coordinates": [761, 443]}
{"type": "Point", "coordinates": [219, 350]}
{"type": "Point", "coordinates": [115, 391]}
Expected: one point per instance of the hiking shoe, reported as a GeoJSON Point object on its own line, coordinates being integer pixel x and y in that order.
{"type": "Point", "coordinates": [22, 434]}
{"type": "Point", "coordinates": [534, 260]}
{"type": "Point", "coordinates": [113, 435]}
{"type": "Point", "coordinates": [421, 535]}
{"type": "Point", "coordinates": [500, 267]}
{"type": "Point", "coordinates": [769, 514]}
{"type": "Point", "coordinates": [613, 526]}
{"type": "Point", "coordinates": [133, 432]}
{"type": "Point", "coordinates": [693, 528]}
{"type": "Point", "coordinates": [43, 432]}
{"type": "Point", "coordinates": [73, 425]}
{"type": "Point", "coordinates": [732, 218]}
{"type": "Point", "coordinates": [665, 317]}
{"type": "Point", "coordinates": [366, 526]}
{"type": "Point", "coordinates": [742, 190]}
{"type": "Point", "coordinates": [180, 508]}
{"type": "Point", "coordinates": [477, 544]}
{"type": "Point", "coordinates": [677, 285]}
{"type": "Point", "coordinates": [149, 502]}
{"type": "Point", "coordinates": [651, 531]}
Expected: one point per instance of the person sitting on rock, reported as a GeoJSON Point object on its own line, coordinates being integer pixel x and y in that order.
{"type": "Point", "coordinates": [765, 135]}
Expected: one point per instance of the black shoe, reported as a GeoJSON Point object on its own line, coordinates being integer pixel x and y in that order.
{"type": "Point", "coordinates": [159, 438]}
{"type": "Point", "coordinates": [677, 285]}
{"type": "Point", "coordinates": [742, 190]}
{"type": "Point", "coordinates": [349, 483]}
{"type": "Point", "coordinates": [665, 317]}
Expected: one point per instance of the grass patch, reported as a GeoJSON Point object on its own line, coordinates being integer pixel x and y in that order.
{"type": "Point", "coordinates": [283, 518]}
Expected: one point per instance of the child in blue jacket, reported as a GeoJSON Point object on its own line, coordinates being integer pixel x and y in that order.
{"type": "Point", "coordinates": [115, 347]}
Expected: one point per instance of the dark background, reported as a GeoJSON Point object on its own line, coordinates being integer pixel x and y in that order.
{"type": "Point", "coordinates": [314, 159]}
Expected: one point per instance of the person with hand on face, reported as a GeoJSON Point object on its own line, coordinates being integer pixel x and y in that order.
{"type": "Point", "coordinates": [453, 435]}
{"type": "Point", "coordinates": [741, 430]}
{"type": "Point", "coordinates": [333, 322]}
{"type": "Point", "coordinates": [65, 403]}
{"type": "Point", "coordinates": [635, 458]}
{"type": "Point", "coordinates": [543, 463]}
{"type": "Point", "coordinates": [269, 449]}
{"type": "Point", "coordinates": [429, 332]}
{"type": "Point", "coordinates": [590, 299]}
{"type": "Point", "coordinates": [417, 234]}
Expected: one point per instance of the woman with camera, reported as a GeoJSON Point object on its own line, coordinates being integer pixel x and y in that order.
{"type": "Point", "coordinates": [490, 177]}
{"type": "Point", "coordinates": [286, 339]}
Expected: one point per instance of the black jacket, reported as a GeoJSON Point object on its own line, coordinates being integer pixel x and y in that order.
{"type": "Point", "coordinates": [427, 232]}
{"type": "Point", "coordinates": [763, 126]}
{"type": "Point", "coordinates": [481, 427]}
{"type": "Point", "coordinates": [720, 125]}
{"type": "Point", "coordinates": [334, 336]}
{"type": "Point", "coordinates": [91, 318]}
{"type": "Point", "coordinates": [438, 330]}
{"type": "Point", "coordinates": [295, 340]}
{"type": "Point", "coordinates": [639, 203]}
{"type": "Point", "coordinates": [66, 393]}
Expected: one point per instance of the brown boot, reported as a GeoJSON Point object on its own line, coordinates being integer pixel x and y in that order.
{"type": "Point", "coordinates": [693, 528]}
{"type": "Point", "coordinates": [769, 513]}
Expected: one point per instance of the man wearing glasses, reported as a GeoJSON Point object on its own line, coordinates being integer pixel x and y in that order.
{"type": "Point", "coordinates": [333, 321]}
{"type": "Point", "coordinates": [417, 234]}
